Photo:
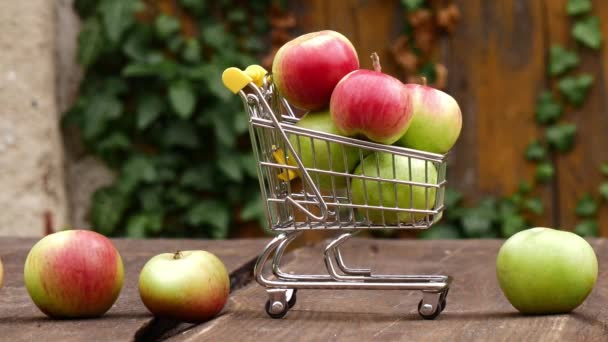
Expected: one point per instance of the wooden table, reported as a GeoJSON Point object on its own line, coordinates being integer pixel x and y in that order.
{"type": "Point", "coordinates": [476, 309]}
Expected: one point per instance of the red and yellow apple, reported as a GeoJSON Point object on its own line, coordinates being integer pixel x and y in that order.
{"type": "Point", "coordinates": [436, 121]}
{"type": "Point", "coordinates": [306, 69]}
{"type": "Point", "coordinates": [73, 274]}
{"type": "Point", "coordinates": [371, 104]}
{"type": "Point", "coordinates": [546, 271]}
{"type": "Point", "coordinates": [319, 154]}
{"type": "Point", "coordinates": [189, 286]}
{"type": "Point", "coordinates": [388, 194]}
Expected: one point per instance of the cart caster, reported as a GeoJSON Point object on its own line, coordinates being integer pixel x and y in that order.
{"type": "Point", "coordinates": [423, 310]}
{"type": "Point", "coordinates": [432, 304]}
{"type": "Point", "coordinates": [280, 301]}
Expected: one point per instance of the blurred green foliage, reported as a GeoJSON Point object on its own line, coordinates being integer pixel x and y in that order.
{"type": "Point", "coordinates": [152, 106]}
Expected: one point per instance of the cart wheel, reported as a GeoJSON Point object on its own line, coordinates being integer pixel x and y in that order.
{"type": "Point", "coordinates": [433, 315]}
{"type": "Point", "coordinates": [291, 301]}
{"type": "Point", "coordinates": [275, 315]}
{"type": "Point", "coordinates": [444, 299]}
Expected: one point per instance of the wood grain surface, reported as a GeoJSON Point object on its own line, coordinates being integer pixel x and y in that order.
{"type": "Point", "coordinates": [20, 320]}
{"type": "Point", "coordinates": [476, 309]}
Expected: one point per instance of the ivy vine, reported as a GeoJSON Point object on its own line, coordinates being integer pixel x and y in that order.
{"type": "Point", "coordinates": [152, 107]}
{"type": "Point", "coordinates": [505, 216]}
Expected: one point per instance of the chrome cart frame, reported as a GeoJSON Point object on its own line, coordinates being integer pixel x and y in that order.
{"type": "Point", "coordinates": [405, 198]}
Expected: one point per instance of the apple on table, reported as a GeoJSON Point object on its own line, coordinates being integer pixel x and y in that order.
{"type": "Point", "coordinates": [189, 286]}
{"type": "Point", "coordinates": [546, 271]}
{"type": "Point", "coordinates": [74, 274]}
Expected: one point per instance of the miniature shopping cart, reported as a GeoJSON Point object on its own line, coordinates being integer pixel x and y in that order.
{"type": "Point", "coordinates": [324, 200]}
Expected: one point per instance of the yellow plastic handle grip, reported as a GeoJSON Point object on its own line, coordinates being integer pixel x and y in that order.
{"type": "Point", "coordinates": [236, 79]}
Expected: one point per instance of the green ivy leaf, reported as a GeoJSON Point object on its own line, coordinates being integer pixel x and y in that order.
{"type": "Point", "coordinates": [253, 209]}
{"type": "Point", "coordinates": [586, 206]}
{"type": "Point", "coordinates": [198, 7]}
{"type": "Point", "coordinates": [587, 31]}
{"type": "Point", "coordinates": [561, 60]}
{"type": "Point", "coordinates": [604, 168]}
{"type": "Point", "coordinates": [199, 178]}
{"type": "Point", "coordinates": [215, 36]}
{"type": "Point", "coordinates": [548, 109]}
{"type": "Point", "coordinates": [85, 8]}
{"type": "Point", "coordinates": [149, 108]}
{"type": "Point", "coordinates": [151, 198]}
{"type": "Point", "coordinates": [577, 7]}
{"type": "Point", "coordinates": [544, 172]}
{"type": "Point", "coordinates": [536, 151]}
{"type": "Point", "coordinates": [524, 187]}
{"type": "Point", "coordinates": [181, 134]}
{"type": "Point", "coordinates": [250, 165]}
{"type": "Point", "coordinates": [477, 222]}
{"type": "Point", "coordinates": [561, 137]}
{"type": "Point", "coordinates": [99, 111]}
{"type": "Point", "coordinates": [192, 51]}
{"type": "Point", "coordinates": [90, 42]}
{"type": "Point", "coordinates": [603, 189]}
{"type": "Point", "coordinates": [534, 205]}
{"type": "Point", "coordinates": [511, 225]}
{"type": "Point", "coordinates": [114, 142]}
{"type": "Point", "coordinates": [213, 213]}
{"type": "Point", "coordinates": [229, 164]}
{"type": "Point", "coordinates": [182, 98]}
{"type": "Point", "coordinates": [237, 15]}
{"type": "Point", "coordinates": [166, 26]}
{"type": "Point", "coordinates": [412, 5]}
{"type": "Point", "coordinates": [440, 232]}
{"type": "Point", "coordinates": [107, 208]}
{"type": "Point", "coordinates": [575, 89]}
{"type": "Point", "coordinates": [117, 17]}
{"type": "Point", "coordinates": [587, 228]}
{"type": "Point", "coordinates": [139, 225]}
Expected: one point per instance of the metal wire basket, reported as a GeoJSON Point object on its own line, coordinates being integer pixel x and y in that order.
{"type": "Point", "coordinates": [346, 184]}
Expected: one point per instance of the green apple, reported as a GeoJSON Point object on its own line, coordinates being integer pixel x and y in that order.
{"type": "Point", "coordinates": [416, 197]}
{"type": "Point", "coordinates": [546, 271]}
{"type": "Point", "coordinates": [326, 156]}
{"type": "Point", "coordinates": [190, 286]}
{"type": "Point", "coordinates": [436, 122]}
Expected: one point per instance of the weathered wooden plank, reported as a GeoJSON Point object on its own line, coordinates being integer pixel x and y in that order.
{"type": "Point", "coordinates": [369, 25]}
{"type": "Point", "coordinates": [20, 320]}
{"type": "Point", "coordinates": [476, 309]}
{"type": "Point", "coordinates": [578, 172]}
{"type": "Point", "coordinates": [496, 63]}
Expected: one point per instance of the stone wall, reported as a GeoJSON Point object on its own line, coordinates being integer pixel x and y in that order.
{"type": "Point", "coordinates": [33, 193]}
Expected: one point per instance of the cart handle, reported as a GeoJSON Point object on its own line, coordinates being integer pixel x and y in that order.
{"type": "Point", "coordinates": [236, 80]}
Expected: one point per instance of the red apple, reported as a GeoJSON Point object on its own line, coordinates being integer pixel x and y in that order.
{"type": "Point", "coordinates": [306, 69]}
{"type": "Point", "coordinates": [371, 104]}
{"type": "Point", "coordinates": [436, 123]}
{"type": "Point", "coordinates": [190, 286]}
{"type": "Point", "coordinates": [74, 274]}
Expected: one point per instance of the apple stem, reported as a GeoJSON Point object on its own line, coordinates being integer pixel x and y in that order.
{"type": "Point", "coordinates": [177, 255]}
{"type": "Point", "coordinates": [423, 79]}
{"type": "Point", "coordinates": [376, 62]}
